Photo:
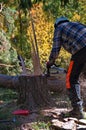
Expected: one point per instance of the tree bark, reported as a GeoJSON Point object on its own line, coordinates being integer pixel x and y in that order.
{"type": "Point", "coordinates": [33, 91]}
{"type": "Point", "coordinates": [57, 83]}
{"type": "Point", "coordinates": [11, 82]}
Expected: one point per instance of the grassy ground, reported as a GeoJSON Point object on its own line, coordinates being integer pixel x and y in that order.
{"type": "Point", "coordinates": [7, 101]}
{"type": "Point", "coordinates": [8, 104]}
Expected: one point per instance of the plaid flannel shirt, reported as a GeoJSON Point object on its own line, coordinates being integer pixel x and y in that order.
{"type": "Point", "coordinates": [70, 35]}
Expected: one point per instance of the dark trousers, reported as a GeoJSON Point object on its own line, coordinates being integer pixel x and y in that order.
{"type": "Point", "coordinates": [72, 79]}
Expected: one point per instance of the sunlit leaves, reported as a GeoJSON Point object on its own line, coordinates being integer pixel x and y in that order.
{"type": "Point", "coordinates": [64, 58]}
{"type": "Point", "coordinates": [43, 30]}
{"type": "Point", "coordinates": [4, 42]}
{"type": "Point", "coordinates": [76, 17]}
{"type": "Point", "coordinates": [9, 18]}
{"type": "Point", "coordinates": [7, 54]}
{"type": "Point", "coordinates": [82, 10]}
{"type": "Point", "coordinates": [10, 24]}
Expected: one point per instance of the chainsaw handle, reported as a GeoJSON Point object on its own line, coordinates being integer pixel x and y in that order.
{"type": "Point", "coordinates": [56, 65]}
{"type": "Point", "coordinates": [58, 70]}
{"type": "Point", "coordinates": [48, 69]}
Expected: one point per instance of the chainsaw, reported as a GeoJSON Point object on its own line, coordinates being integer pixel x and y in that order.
{"type": "Point", "coordinates": [55, 69]}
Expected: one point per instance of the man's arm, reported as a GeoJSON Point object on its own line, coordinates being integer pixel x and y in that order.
{"type": "Point", "coordinates": [56, 46]}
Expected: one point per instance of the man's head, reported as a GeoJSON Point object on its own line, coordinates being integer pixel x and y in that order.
{"type": "Point", "coordinates": [60, 20]}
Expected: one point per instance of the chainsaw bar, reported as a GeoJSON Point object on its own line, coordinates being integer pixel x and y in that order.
{"type": "Point", "coordinates": [55, 69]}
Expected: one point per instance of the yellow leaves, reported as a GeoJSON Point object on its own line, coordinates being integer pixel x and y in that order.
{"type": "Point", "coordinates": [43, 31]}
{"type": "Point", "coordinates": [82, 11]}
{"type": "Point", "coordinates": [44, 50]}
{"type": "Point", "coordinates": [64, 58]}
{"type": "Point", "coordinates": [76, 17]}
{"type": "Point", "coordinates": [1, 21]}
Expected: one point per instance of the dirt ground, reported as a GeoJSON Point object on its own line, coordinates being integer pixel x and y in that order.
{"type": "Point", "coordinates": [44, 115]}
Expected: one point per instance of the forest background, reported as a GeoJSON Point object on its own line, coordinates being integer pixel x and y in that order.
{"type": "Point", "coordinates": [26, 31]}
{"type": "Point", "coordinates": [17, 37]}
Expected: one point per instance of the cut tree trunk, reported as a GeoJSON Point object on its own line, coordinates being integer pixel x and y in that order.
{"type": "Point", "coordinates": [55, 84]}
{"type": "Point", "coordinates": [33, 91]}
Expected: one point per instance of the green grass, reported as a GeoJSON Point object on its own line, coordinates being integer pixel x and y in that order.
{"type": "Point", "coordinates": [7, 97]}
{"type": "Point", "coordinates": [41, 126]}
{"type": "Point", "coordinates": [7, 107]}
{"type": "Point", "coordinates": [7, 94]}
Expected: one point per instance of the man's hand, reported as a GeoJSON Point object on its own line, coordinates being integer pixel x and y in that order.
{"type": "Point", "coordinates": [50, 63]}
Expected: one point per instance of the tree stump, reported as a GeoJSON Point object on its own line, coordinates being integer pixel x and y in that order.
{"type": "Point", "coordinates": [33, 91]}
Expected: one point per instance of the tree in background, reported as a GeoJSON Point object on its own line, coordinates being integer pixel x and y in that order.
{"type": "Point", "coordinates": [15, 23]}
{"type": "Point", "coordinates": [25, 7]}
{"type": "Point", "coordinates": [7, 53]}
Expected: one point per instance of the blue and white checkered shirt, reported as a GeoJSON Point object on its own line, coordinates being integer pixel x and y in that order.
{"type": "Point", "coordinates": [70, 35]}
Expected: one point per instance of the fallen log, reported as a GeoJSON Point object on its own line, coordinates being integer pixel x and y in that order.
{"type": "Point", "coordinates": [56, 84]}
{"type": "Point", "coordinates": [35, 89]}
{"type": "Point", "coordinates": [11, 82]}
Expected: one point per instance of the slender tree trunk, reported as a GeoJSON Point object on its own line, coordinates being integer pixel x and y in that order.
{"type": "Point", "coordinates": [22, 64]}
{"type": "Point", "coordinates": [35, 52]}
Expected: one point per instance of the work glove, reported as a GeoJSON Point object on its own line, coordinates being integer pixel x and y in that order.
{"type": "Point", "coordinates": [48, 66]}
{"type": "Point", "coordinates": [50, 63]}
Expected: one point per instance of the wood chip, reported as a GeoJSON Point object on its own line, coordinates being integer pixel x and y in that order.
{"type": "Point", "coordinates": [70, 125]}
